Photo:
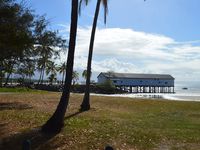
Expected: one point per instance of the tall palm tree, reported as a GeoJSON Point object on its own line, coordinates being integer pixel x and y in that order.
{"type": "Point", "coordinates": [51, 67]}
{"type": "Point", "coordinates": [75, 77]}
{"type": "Point", "coordinates": [52, 78]}
{"type": "Point", "coordinates": [46, 41]}
{"type": "Point", "coordinates": [84, 74]}
{"type": "Point", "coordinates": [86, 100]}
{"type": "Point", "coordinates": [56, 122]}
{"type": "Point", "coordinates": [62, 70]}
{"type": "Point", "coordinates": [30, 70]}
{"type": "Point", "coordinates": [41, 63]}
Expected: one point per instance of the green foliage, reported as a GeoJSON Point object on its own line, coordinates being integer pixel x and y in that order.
{"type": "Point", "coordinates": [62, 70]}
{"type": "Point", "coordinates": [16, 36]}
{"type": "Point", "coordinates": [24, 40]}
{"type": "Point", "coordinates": [52, 78]}
{"type": "Point", "coordinates": [107, 87]}
{"type": "Point", "coordinates": [84, 74]}
{"type": "Point", "coordinates": [46, 41]}
{"type": "Point", "coordinates": [75, 77]}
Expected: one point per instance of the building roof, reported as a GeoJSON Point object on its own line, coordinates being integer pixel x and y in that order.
{"type": "Point", "coordinates": [136, 75]}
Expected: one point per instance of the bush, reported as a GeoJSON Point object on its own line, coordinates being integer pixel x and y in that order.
{"type": "Point", "coordinates": [107, 87]}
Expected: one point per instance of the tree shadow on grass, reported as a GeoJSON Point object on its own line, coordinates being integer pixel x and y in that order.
{"type": "Point", "coordinates": [14, 105]}
{"type": "Point", "coordinates": [35, 137]}
{"type": "Point", "coordinates": [73, 115]}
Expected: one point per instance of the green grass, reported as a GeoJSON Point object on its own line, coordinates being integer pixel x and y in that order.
{"type": "Point", "coordinates": [121, 122]}
{"type": "Point", "coordinates": [18, 89]}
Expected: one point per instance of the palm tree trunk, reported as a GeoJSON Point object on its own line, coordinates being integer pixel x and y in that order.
{"type": "Point", "coordinates": [86, 100]}
{"type": "Point", "coordinates": [11, 70]}
{"type": "Point", "coordinates": [40, 77]}
{"type": "Point", "coordinates": [63, 77]}
{"type": "Point", "coordinates": [56, 122]}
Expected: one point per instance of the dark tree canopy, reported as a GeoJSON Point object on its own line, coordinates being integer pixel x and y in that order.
{"type": "Point", "coordinates": [16, 22]}
{"type": "Point", "coordinates": [25, 39]}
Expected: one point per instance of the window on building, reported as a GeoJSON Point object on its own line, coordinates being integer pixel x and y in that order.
{"type": "Point", "coordinates": [166, 82]}
{"type": "Point", "coordinates": [114, 81]}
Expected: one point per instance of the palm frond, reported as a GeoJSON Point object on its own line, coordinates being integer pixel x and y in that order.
{"type": "Point", "coordinates": [80, 5]}
{"type": "Point", "coordinates": [105, 5]}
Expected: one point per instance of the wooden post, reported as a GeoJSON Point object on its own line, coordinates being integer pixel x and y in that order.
{"type": "Point", "coordinates": [131, 90]}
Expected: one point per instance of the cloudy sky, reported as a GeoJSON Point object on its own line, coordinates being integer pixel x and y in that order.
{"type": "Point", "coordinates": [155, 36]}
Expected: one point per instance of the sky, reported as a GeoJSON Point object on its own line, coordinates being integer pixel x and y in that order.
{"type": "Point", "coordinates": [155, 36]}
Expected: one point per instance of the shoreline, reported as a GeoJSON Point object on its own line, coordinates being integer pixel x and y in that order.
{"type": "Point", "coordinates": [190, 97]}
{"type": "Point", "coordinates": [171, 97]}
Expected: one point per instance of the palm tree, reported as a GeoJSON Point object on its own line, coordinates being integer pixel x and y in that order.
{"type": "Point", "coordinates": [75, 77]}
{"type": "Point", "coordinates": [52, 78]}
{"type": "Point", "coordinates": [41, 63]}
{"type": "Point", "coordinates": [46, 41]}
{"type": "Point", "coordinates": [62, 70]}
{"type": "Point", "coordinates": [84, 74]}
{"type": "Point", "coordinates": [86, 100]}
{"type": "Point", "coordinates": [56, 122]}
{"type": "Point", "coordinates": [51, 67]}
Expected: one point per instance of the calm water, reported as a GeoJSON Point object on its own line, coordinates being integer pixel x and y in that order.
{"type": "Point", "coordinates": [192, 93]}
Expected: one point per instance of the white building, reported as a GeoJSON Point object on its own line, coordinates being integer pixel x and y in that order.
{"type": "Point", "coordinates": [140, 83]}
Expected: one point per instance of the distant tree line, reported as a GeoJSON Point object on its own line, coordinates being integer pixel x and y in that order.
{"type": "Point", "coordinates": [27, 45]}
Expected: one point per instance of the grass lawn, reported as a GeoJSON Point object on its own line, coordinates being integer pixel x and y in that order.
{"type": "Point", "coordinates": [124, 123]}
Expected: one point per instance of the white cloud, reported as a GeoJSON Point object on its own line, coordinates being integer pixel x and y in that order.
{"type": "Point", "coordinates": [126, 50]}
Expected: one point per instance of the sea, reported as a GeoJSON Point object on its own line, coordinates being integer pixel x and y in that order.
{"type": "Point", "coordinates": [184, 91]}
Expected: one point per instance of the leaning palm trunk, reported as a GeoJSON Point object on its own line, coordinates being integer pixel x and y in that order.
{"type": "Point", "coordinates": [86, 100]}
{"type": "Point", "coordinates": [56, 122]}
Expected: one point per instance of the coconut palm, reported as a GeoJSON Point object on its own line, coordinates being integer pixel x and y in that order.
{"type": "Point", "coordinates": [75, 77]}
{"type": "Point", "coordinates": [52, 78]}
{"type": "Point", "coordinates": [86, 100]}
{"type": "Point", "coordinates": [56, 122]}
{"type": "Point", "coordinates": [46, 41]}
{"type": "Point", "coordinates": [51, 68]}
{"type": "Point", "coordinates": [84, 74]}
{"type": "Point", "coordinates": [62, 70]}
{"type": "Point", "coordinates": [30, 70]}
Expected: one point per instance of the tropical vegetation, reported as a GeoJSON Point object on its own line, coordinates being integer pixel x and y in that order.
{"type": "Point", "coordinates": [26, 43]}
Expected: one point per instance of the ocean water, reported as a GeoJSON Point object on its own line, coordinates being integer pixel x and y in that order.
{"type": "Point", "coordinates": [191, 94]}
